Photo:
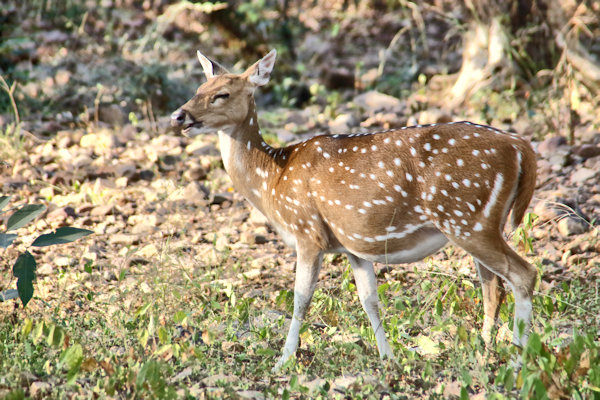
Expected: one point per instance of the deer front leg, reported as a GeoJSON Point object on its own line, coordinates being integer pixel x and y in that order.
{"type": "Point", "coordinates": [308, 265]}
{"type": "Point", "coordinates": [366, 284]}
{"type": "Point", "coordinates": [493, 295]}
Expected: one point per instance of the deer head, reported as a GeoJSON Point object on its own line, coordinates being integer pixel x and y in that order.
{"type": "Point", "coordinates": [224, 101]}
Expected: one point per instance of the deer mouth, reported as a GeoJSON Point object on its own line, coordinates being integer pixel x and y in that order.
{"type": "Point", "coordinates": [187, 128]}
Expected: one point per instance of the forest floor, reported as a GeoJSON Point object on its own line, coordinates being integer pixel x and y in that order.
{"type": "Point", "coordinates": [185, 290]}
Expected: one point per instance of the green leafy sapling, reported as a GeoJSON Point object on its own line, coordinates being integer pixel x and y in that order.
{"type": "Point", "coordinates": [25, 266]}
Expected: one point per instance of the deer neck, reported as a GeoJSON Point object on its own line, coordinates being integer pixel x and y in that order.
{"type": "Point", "coordinates": [248, 159]}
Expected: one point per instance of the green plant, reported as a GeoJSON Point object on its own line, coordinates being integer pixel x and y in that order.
{"type": "Point", "coordinates": [25, 265]}
{"type": "Point", "coordinates": [522, 235]}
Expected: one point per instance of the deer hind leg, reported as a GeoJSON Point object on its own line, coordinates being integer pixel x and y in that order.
{"type": "Point", "coordinates": [497, 257]}
{"type": "Point", "coordinates": [493, 296]}
{"type": "Point", "coordinates": [308, 265]}
{"type": "Point", "coordinates": [366, 284]}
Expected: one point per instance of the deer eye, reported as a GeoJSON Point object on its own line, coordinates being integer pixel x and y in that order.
{"type": "Point", "coordinates": [219, 96]}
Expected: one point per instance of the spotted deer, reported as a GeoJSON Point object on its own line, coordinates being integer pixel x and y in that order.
{"type": "Point", "coordinates": [395, 196]}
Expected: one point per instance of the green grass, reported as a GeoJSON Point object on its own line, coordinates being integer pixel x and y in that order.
{"type": "Point", "coordinates": [159, 330]}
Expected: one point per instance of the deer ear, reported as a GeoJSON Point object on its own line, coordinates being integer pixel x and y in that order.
{"type": "Point", "coordinates": [207, 65]}
{"type": "Point", "coordinates": [260, 72]}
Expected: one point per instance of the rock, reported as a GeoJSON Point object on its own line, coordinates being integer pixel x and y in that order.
{"type": "Point", "coordinates": [215, 379]}
{"type": "Point", "coordinates": [81, 161]}
{"type": "Point", "coordinates": [200, 148]}
{"type": "Point", "coordinates": [102, 211]}
{"type": "Point", "coordinates": [124, 239]}
{"type": "Point", "coordinates": [100, 142]}
{"type": "Point", "coordinates": [583, 174]}
{"type": "Point", "coordinates": [550, 145]}
{"type": "Point", "coordinates": [338, 78]}
{"type": "Point", "coordinates": [586, 151]}
{"type": "Point", "coordinates": [111, 114]}
{"type": "Point", "coordinates": [222, 197]}
{"type": "Point", "coordinates": [195, 172]}
{"type": "Point", "coordinates": [250, 394]}
{"type": "Point", "coordinates": [45, 269]}
{"type": "Point", "coordinates": [433, 116]}
{"type": "Point", "coordinates": [256, 218]}
{"type": "Point", "coordinates": [374, 101]}
{"type": "Point", "coordinates": [547, 210]}
{"type": "Point", "coordinates": [569, 226]}
{"type": "Point", "coordinates": [64, 261]}
{"type": "Point", "coordinates": [341, 124]}
{"type": "Point", "coordinates": [39, 389]}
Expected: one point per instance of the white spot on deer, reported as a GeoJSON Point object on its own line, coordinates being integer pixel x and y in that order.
{"type": "Point", "coordinates": [460, 162]}
{"type": "Point", "coordinates": [494, 196]}
{"type": "Point", "coordinates": [419, 209]}
{"type": "Point", "coordinates": [285, 178]}
{"type": "Point", "coordinates": [355, 148]}
{"type": "Point", "coordinates": [475, 152]}
{"type": "Point", "coordinates": [484, 166]}
{"type": "Point", "coordinates": [363, 151]}
{"type": "Point", "coordinates": [349, 206]}
{"type": "Point", "coordinates": [354, 186]}
{"type": "Point", "coordinates": [404, 194]}
{"type": "Point", "coordinates": [387, 140]}
{"type": "Point", "coordinates": [389, 198]}
{"type": "Point", "coordinates": [436, 136]}
{"type": "Point", "coordinates": [380, 164]}
{"type": "Point", "coordinates": [398, 143]}
{"type": "Point", "coordinates": [362, 211]}
{"type": "Point", "coordinates": [448, 177]}
{"type": "Point", "coordinates": [413, 151]}
{"type": "Point", "coordinates": [478, 227]}
{"type": "Point", "coordinates": [458, 213]}
{"type": "Point", "coordinates": [397, 188]}
{"type": "Point", "coordinates": [373, 176]}
{"type": "Point", "coordinates": [409, 177]}
{"type": "Point", "coordinates": [455, 185]}
{"type": "Point", "coordinates": [264, 185]}
{"type": "Point", "coordinates": [330, 169]}
{"type": "Point", "coordinates": [466, 182]}
{"type": "Point", "coordinates": [397, 161]}
{"type": "Point", "coordinates": [337, 202]}
{"type": "Point", "coordinates": [319, 149]}
{"type": "Point", "coordinates": [341, 164]}
{"type": "Point", "coordinates": [326, 155]}
{"type": "Point", "coordinates": [427, 146]}
{"type": "Point", "coordinates": [352, 170]}
{"type": "Point", "coordinates": [390, 228]}
{"type": "Point", "coordinates": [444, 192]}
{"type": "Point", "coordinates": [374, 148]}
{"type": "Point", "coordinates": [389, 173]}
{"type": "Point", "coordinates": [440, 207]}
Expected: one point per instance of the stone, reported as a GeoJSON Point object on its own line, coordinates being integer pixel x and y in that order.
{"type": "Point", "coordinates": [547, 210]}
{"type": "Point", "coordinates": [256, 218]}
{"type": "Point", "coordinates": [39, 389]}
{"type": "Point", "coordinates": [341, 124]}
{"type": "Point", "coordinates": [569, 226]}
{"type": "Point", "coordinates": [583, 174]}
{"type": "Point", "coordinates": [373, 101]}
{"type": "Point", "coordinates": [550, 145]}
{"type": "Point", "coordinates": [200, 148]}
{"type": "Point", "coordinates": [586, 151]}
{"type": "Point", "coordinates": [213, 380]}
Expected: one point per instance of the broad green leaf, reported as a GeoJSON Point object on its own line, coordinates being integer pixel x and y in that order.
{"type": "Point", "coordinates": [4, 201]}
{"type": "Point", "coordinates": [149, 373]}
{"type": "Point", "coordinates": [62, 235]}
{"type": "Point", "coordinates": [426, 345]}
{"type": "Point", "coordinates": [24, 215]}
{"type": "Point", "coordinates": [24, 270]}
{"type": "Point", "coordinates": [25, 289]}
{"type": "Point", "coordinates": [6, 239]}
{"type": "Point", "coordinates": [72, 357]}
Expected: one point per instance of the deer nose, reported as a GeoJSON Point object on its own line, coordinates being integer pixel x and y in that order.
{"type": "Point", "coordinates": [178, 118]}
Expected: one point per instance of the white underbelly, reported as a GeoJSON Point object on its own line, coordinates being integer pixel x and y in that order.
{"type": "Point", "coordinates": [424, 248]}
